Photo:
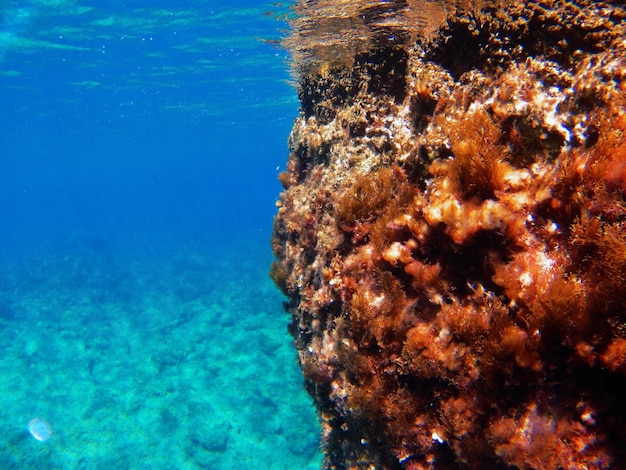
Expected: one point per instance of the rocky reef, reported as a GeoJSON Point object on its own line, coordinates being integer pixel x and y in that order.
{"type": "Point", "coordinates": [451, 238]}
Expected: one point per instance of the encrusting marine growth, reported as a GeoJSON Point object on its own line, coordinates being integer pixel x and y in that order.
{"type": "Point", "coordinates": [451, 238]}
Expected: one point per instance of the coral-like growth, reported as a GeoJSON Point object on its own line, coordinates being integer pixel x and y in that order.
{"type": "Point", "coordinates": [452, 234]}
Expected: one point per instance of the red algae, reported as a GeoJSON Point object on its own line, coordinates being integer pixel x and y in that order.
{"type": "Point", "coordinates": [451, 238]}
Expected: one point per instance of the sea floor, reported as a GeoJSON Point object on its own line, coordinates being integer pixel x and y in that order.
{"type": "Point", "coordinates": [173, 359]}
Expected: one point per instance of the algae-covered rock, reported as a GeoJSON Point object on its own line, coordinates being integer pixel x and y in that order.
{"type": "Point", "coordinates": [451, 238]}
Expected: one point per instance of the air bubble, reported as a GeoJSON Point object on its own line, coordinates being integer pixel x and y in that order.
{"type": "Point", "coordinates": [40, 429]}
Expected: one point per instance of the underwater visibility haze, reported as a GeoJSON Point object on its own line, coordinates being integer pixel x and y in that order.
{"type": "Point", "coordinates": [446, 181]}
{"type": "Point", "coordinates": [140, 144]}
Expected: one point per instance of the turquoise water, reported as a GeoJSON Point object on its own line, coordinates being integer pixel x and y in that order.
{"type": "Point", "coordinates": [139, 149]}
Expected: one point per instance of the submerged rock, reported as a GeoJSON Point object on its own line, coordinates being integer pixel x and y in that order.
{"type": "Point", "coordinates": [451, 238]}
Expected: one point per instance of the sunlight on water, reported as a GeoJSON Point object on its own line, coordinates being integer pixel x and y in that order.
{"type": "Point", "coordinates": [142, 54]}
{"type": "Point", "coordinates": [14, 22]}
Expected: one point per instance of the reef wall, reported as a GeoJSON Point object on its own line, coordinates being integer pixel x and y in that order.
{"type": "Point", "coordinates": [451, 238]}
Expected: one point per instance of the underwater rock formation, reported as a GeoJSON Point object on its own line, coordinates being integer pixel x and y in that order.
{"type": "Point", "coordinates": [451, 238]}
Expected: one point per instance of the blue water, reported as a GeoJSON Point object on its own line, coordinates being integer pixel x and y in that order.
{"type": "Point", "coordinates": [139, 149]}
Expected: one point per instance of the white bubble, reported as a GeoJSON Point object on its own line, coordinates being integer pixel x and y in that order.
{"type": "Point", "coordinates": [40, 429]}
